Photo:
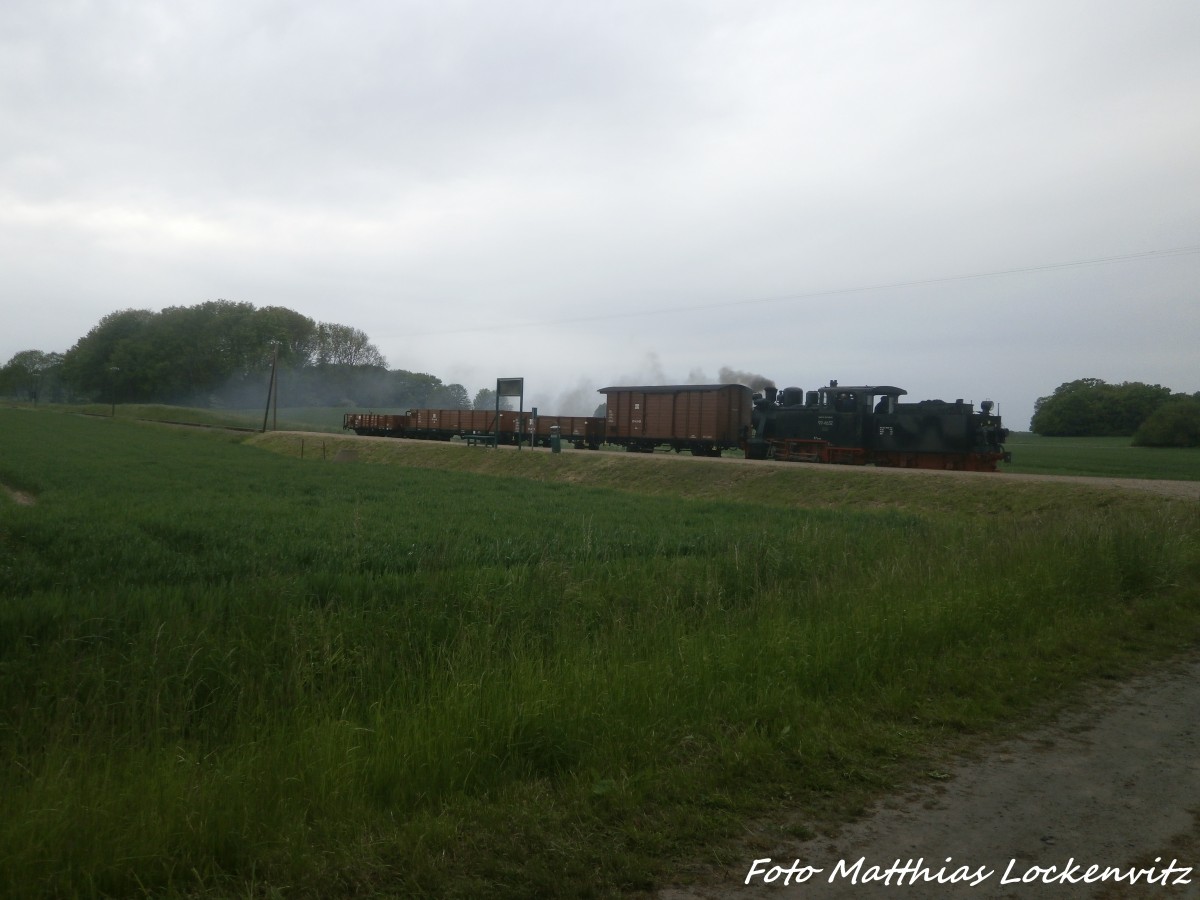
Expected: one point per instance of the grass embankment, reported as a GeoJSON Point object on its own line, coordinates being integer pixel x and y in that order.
{"type": "Point", "coordinates": [231, 672]}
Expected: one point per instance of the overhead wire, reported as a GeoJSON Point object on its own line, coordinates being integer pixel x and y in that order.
{"type": "Point", "coordinates": [826, 292]}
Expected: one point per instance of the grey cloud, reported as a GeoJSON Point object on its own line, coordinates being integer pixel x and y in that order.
{"type": "Point", "coordinates": [417, 168]}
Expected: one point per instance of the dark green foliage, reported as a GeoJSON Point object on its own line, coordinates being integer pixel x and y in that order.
{"type": "Point", "coordinates": [1174, 424]}
{"type": "Point", "coordinates": [33, 376]}
{"type": "Point", "coordinates": [113, 343]}
{"type": "Point", "coordinates": [220, 353]}
{"type": "Point", "coordinates": [485, 398]}
{"type": "Point", "coordinates": [186, 353]}
{"type": "Point", "coordinates": [1090, 407]}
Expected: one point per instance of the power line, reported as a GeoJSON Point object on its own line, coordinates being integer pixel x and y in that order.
{"type": "Point", "coordinates": [830, 292]}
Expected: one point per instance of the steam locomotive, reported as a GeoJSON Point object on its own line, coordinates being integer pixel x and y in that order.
{"type": "Point", "coordinates": [870, 424]}
{"type": "Point", "coordinates": [858, 425]}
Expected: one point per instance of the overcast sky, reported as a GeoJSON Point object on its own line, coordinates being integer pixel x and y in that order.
{"type": "Point", "coordinates": [964, 199]}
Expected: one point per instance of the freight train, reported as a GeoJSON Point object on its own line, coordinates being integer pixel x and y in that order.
{"type": "Point", "coordinates": [860, 425]}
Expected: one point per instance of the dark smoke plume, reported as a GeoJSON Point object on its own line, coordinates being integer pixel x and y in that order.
{"type": "Point", "coordinates": [726, 375]}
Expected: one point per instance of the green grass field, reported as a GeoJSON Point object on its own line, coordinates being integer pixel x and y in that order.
{"type": "Point", "coordinates": [1108, 457]}
{"type": "Point", "coordinates": [303, 418]}
{"type": "Point", "coordinates": [1032, 454]}
{"type": "Point", "coordinates": [437, 671]}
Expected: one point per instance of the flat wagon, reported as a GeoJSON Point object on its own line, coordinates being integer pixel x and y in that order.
{"type": "Point", "coordinates": [579, 431]}
{"type": "Point", "coordinates": [376, 424]}
{"type": "Point", "coordinates": [444, 424]}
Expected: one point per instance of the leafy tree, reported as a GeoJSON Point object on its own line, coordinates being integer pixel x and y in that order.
{"type": "Point", "coordinates": [221, 352]}
{"type": "Point", "coordinates": [294, 334]}
{"type": "Point", "coordinates": [485, 398]}
{"type": "Point", "coordinates": [455, 397]}
{"type": "Point", "coordinates": [1091, 407]}
{"type": "Point", "coordinates": [1175, 423]}
{"type": "Point", "coordinates": [216, 350]}
{"type": "Point", "coordinates": [413, 389]}
{"type": "Point", "coordinates": [33, 375]}
{"type": "Point", "coordinates": [113, 343]}
{"type": "Point", "coordinates": [341, 345]}
{"type": "Point", "coordinates": [197, 349]}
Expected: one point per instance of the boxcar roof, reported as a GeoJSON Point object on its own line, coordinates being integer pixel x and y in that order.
{"type": "Point", "coordinates": [669, 388]}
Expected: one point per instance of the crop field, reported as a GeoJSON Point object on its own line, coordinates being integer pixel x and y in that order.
{"type": "Point", "coordinates": [1109, 457]}
{"type": "Point", "coordinates": [303, 418]}
{"type": "Point", "coordinates": [1032, 454]}
{"type": "Point", "coordinates": [433, 671]}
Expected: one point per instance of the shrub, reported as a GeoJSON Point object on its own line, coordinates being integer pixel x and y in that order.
{"type": "Point", "coordinates": [1174, 424]}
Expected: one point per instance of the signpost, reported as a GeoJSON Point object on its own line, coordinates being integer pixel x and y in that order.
{"type": "Point", "coordinates": [510, 387]}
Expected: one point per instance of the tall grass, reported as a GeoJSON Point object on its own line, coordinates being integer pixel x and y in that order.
{"type": "Point", "coordinates": [229, 672]}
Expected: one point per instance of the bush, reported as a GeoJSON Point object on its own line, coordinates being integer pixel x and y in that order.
{"type": "Point", "coordinates": [1174, 424]}
{"type": "Point", "coordinates": [1090, 407]}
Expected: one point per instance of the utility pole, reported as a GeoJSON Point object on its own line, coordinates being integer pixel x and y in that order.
{"type": "Point", "coordinates": [271, 385]}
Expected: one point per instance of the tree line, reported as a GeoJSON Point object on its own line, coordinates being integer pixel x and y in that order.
{"type": "Point", "coordinates": [1153, 415]}
{"type": "Point", "coordinates": [220, 353]}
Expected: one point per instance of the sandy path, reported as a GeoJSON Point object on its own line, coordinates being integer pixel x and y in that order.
{"type": "Point", "coordinates": [1114, 784]}
{"type": "Point", "coordinates": [18, 497]}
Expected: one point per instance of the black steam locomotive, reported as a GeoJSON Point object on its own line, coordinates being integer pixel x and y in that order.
{"type": "Point", "coordinates": [870, 424]}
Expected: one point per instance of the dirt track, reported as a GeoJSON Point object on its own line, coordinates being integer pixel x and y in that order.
{"type": "Point", "coordinates": [1114, 784]}
{"type": "Point", "coordinates": [18, 497]}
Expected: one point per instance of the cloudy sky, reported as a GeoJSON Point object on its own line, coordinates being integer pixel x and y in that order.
{"type": "Point", "coordinates": [965, 199]}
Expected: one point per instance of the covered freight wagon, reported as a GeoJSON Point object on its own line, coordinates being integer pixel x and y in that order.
{"type": "Point", "coordinates": [702, 418]}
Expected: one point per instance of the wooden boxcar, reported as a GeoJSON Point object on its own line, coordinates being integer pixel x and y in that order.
{"type": "Point", "coordinates": [702, 418]}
